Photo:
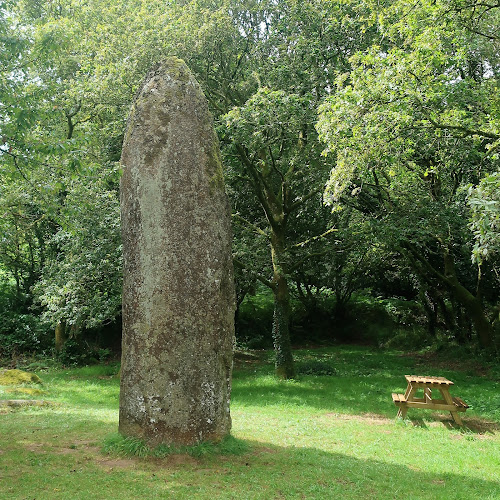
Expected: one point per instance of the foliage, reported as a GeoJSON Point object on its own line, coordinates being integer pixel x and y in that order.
{"type": "Point", "coordinates": [23, 333]}
{"type": "Point", "coordinates": [410, 120]}
{"type": "Point", "coordinates": [410, 127]}
{"type": "Point", "coordinates": [254, 321]}
{"type": "Point", "coordinates": [20, 333]}
{"type": "Point", "coordinates": [82, 285]}
{"type": "Point", "coordinates": [78, 352]}
{"type": "Point", "coordinates": [484, 201]}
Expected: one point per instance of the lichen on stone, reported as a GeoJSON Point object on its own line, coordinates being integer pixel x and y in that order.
{"type": "Point", "coordinates": [178, 295]}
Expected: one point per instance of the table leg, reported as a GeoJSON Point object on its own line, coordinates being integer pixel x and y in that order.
{"type": "Point", "coordinates": [447, 397]}
{"type": "Point", "coordinates": [409, 393]}
{"type": "Point", "coordinates": [402, 412]}
{"type": "Point", "coordinates": [408, 390]}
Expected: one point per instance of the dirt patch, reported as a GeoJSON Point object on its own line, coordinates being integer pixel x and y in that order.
{"type": "Point", "coordinates": [368, 418]}
{"type": "Point", "coordinates": [168, 462]}
{"type": "Point", "coordinates": [78, 446]}
{"type": "Point", "coordinates": [120, 463]}
{"type": "Point", "coordinates": [66, 451]}
{"type": "Point", "coordinates": [482, 426]}
{"type": "Point", "coordinates": [438, 481]}
{"type": "Point", "coordinates": [35, 447]}
{"type": "Point", "coordinates": [20, 403]}
{"type": "Point", "coordinates": [178, 460]}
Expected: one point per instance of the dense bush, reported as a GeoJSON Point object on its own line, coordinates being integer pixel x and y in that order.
{"type": "Point", "coordinates": [23, 334]}
{"type": "Point", "coordinates": [20, 331]}
{"type": "Point", "coordinates": [254, 321]}
{"type": "Point", "coordinates": [77, 352]}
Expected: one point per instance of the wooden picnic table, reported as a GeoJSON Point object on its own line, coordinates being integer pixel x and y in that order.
{"type": "Point", "coordinates": [428, 384]}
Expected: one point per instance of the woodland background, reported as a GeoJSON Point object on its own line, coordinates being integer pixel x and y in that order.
{"type": "Point", "coordinates": [361, 144]}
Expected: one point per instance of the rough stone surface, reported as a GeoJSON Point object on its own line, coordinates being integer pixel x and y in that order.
{"type": "Point", "coordinates": [178, 291]}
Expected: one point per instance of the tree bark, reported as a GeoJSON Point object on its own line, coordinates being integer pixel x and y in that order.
{"type": "Point", "coordinates": [60, 336]}
{"type": "Point", "coordinates": [281, 321]}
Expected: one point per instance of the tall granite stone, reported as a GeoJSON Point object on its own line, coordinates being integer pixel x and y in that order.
{"type": "Point", "coordinates": [178, 291]}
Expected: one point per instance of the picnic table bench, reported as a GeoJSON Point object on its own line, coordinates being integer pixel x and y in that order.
{"type": "Point", "coordinates": [427, 384]}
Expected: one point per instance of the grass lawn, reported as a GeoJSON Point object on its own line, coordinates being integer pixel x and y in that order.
{"type": "Point", "coordinates": [332, 436]}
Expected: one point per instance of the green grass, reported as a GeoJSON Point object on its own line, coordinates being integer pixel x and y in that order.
{"type": "Point", "coordinates": [316, 437]}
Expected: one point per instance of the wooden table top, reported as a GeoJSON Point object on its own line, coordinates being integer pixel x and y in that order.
{"type": "Point", "coordinates": [419, 379]}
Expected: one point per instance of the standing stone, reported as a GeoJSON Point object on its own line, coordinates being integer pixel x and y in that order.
{"type": "Point", "coordinates": [178, 291]}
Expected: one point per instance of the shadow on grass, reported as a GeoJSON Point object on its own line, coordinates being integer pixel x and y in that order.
{"type": "Point", "coordinates": [312, 473]}
{"type": "Point", "coordinates": [472, 425]}
{"type": "Point", "coordinates": [266, 471]}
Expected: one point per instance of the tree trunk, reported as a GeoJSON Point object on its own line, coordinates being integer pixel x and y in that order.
{"type": "Point", "coordinates": [281, 331]}
{"type": "Point", "coordinates": [470, 303]}
{"type": "Point", "coordinates": [475, 311]}
{"type": "Point", "coordinates": [430, 310]}
{"type": "Point", "coordinates": [60, 336]}
{"type": "Point", "coordinates": [281, 321]}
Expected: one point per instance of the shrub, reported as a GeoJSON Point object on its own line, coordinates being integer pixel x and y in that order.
{"type": "Point", "coordinates": [315, 367]}
{"type": "Point", "coordinates": [23, 334]}
{"type": "Point", "coordinates": [77, 352]}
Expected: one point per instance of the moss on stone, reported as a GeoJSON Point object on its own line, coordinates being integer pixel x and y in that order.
{"type": "Point", "coordinates": [177, 69]}
{"type": "Point", "coordinates": [25, 390]}
{"type": "Point", "coordinates": [18, 377]}
{"type": "Point", "coordinates": [216, 181]}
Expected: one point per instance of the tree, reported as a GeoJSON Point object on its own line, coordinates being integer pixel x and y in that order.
{"type": "Point", "coordinates": [270, 137]}
{"type": "Point", "coordinates": [61, 144]}
{"type": "Point", "coordinates": [271, 143]}
{"type": "Point", "coordinates": [81, 286]}
{"type": "Point", "coordinates": [411, 127]}
{"type": "Point", "coordinates": [83, 64]}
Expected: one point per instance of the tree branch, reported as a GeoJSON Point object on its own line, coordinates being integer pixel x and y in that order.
{"type": "Point", "coordinates": [314, 238]}
{"type": "Point", "coordinates": [466, 131]}
{"type": "Point", "coordinates": [302, 200]}
{"type": "Point", "coordinates": [307, 257]}
{"type": "Point", "coordinates": [256, 228]}
{"type": "Point", "coordinates": [257, 276]}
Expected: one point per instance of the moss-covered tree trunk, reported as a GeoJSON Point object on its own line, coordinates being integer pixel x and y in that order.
{"type": "Point", "coordinates": [281, 319]}
{"type": "Point", "coordinates": [471, 303]}
{"type": "Point", "coordinates": [61, 335]}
